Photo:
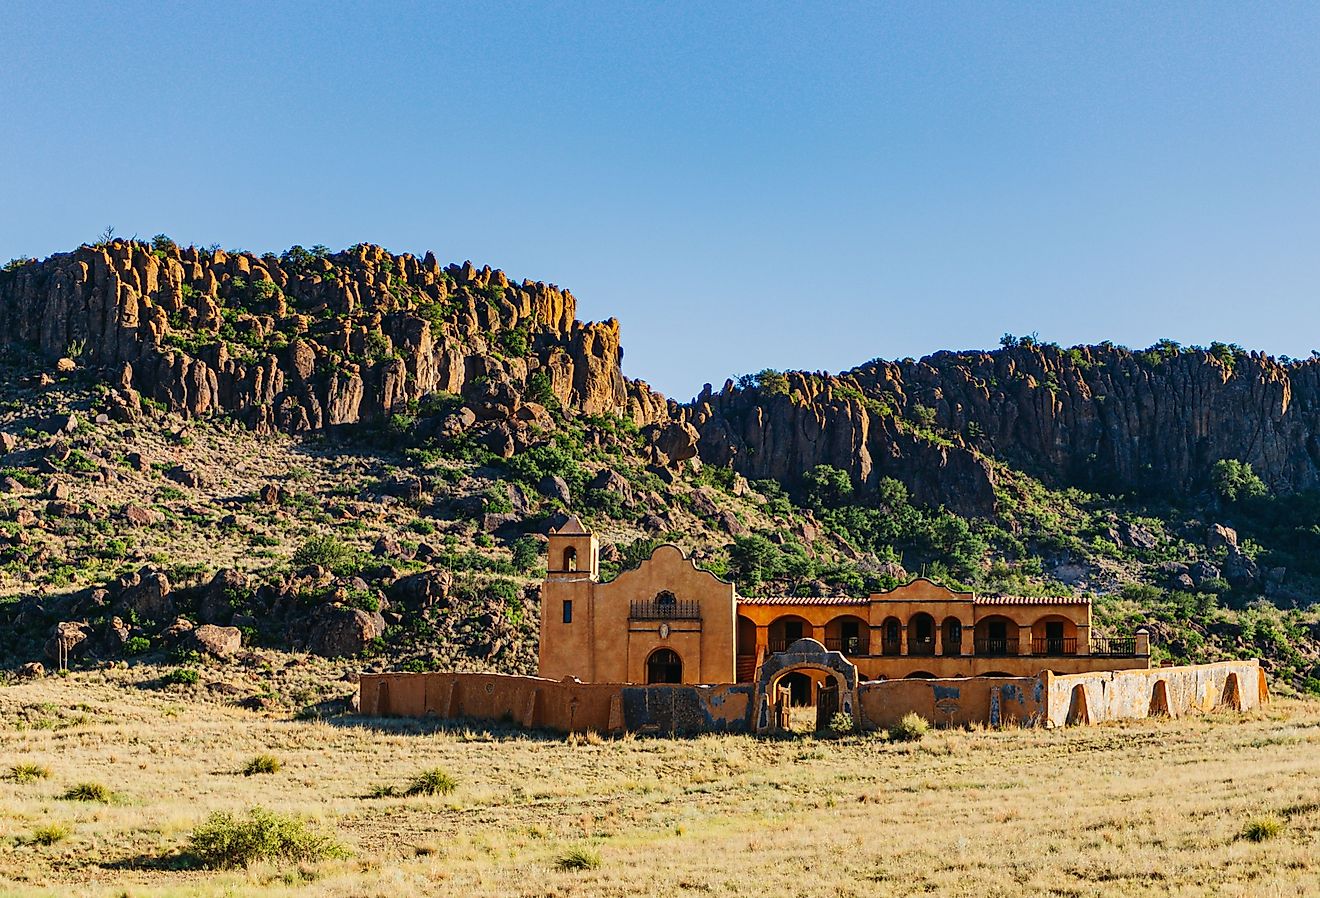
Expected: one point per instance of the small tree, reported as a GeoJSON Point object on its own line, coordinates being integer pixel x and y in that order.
{"type": "Point", "coordinates": [1234, 481]}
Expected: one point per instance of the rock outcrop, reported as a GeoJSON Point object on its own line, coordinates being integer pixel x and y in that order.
{"type": "Point", "coordinates": [306, 341]}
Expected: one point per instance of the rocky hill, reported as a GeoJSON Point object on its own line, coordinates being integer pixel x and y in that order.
{"type": "Point", "coordinates": [357, 452]}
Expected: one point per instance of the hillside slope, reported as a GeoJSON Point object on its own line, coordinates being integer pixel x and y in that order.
{"type": "Point", "coordinates": [357, 452]}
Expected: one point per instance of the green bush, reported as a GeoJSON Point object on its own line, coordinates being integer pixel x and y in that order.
{"type": "Point", "coordinates": [842, 723]}
{"type": "Point", "coordinates": [182, 676]}
{"type": "Point", "coordinates": [29, 772]}
{"type": "Point", "coordinates": [88, 792]}
{"type": "Point", "coordinates": [136, 645]}
{"type": "Point", "coordinates": [225, 841]}
{"type": "Point", "coordinates": [262, 764]}
{"type": "Point", "coordinates": [1258, 829]}
{"type": "Point", "coordinates": [432, 782]}
{"type": "Point", "coordinates": [526, 554]}
{"type": "Point", "coordinates": [910, 729]}
{"type": "Point", "coordinates": [578, 858]}
{"type": "Point", "coordinates": [326, 551]}
{"type": "Point", "coordinates": [1234, 480]}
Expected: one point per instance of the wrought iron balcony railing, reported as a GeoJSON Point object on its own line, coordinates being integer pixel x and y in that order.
{"type": "Point", "coordinates": [994, 646]}
{"type": "Point", "coordinates": [652, 609]}
{"type": "Point", "coordinates": [1053, 645]}
{"type": "Point", "coordinates": [1114, 646]}
{"type": "Point", "coordinates": [849, 645]}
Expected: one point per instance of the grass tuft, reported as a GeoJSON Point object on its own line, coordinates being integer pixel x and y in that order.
{"type": "Point", "coordinates": [432, 782]}
{"type": "Point", "coordinates": [579, 857]}
{"type": "Point", "coordinates": [224, 841]}
{"type": "Point", "coordinates": [88, 792]}
{"type": "Point", "coordinates": [910, 729]}
{"type": "Point", "coordinates": [262, 764]}
{"type": "Point", "coordinates": [49, 834]}
{"type": "Point", "coordinates": [29, 773]}
{"type": "Point", "coordinates": [1259, 829]}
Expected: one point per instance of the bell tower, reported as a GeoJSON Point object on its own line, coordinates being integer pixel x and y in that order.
{"type": "Point", "coordinates": [573, 553]}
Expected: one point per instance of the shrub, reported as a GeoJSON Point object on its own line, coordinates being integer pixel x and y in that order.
{"type": "Point", "coordinates": [136, 645]}
{"type": "Point", "coordinates": [88, 792]}
{"type": "Point", "coordinates": [910, 729]}
{"type": "Point", "coordinates": [225, 841]}
{"type": "Point", "coordinates": [182, 676]}
{"type": "Point", "coordinates": [1234, 480]}
{"type": "Point", "coordinates": [49, 834]}
{"type": "Point", "coordinates": [578, 858]}
{"type": "Point", "coordinates": [432, 782]}
{"type": "Point", "coordinates": [262, 764]}
{"type": "Point", "coordinates": [526, 554]}
{"type": "Point", "coordinates": [1258, 829]}
{"type": "Point", "coordinates": [842, 723]}
{"type": "Point", "coordinates": [327, 551]}
{"type": "Point", "coordinates": [29, 773]}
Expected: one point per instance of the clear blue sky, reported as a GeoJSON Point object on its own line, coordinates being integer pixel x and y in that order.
{"type": "Point", "coordinates": [742, 185]}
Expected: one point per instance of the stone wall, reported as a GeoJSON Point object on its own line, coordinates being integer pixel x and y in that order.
{"type": "Point", "coordinates": [993, 701]}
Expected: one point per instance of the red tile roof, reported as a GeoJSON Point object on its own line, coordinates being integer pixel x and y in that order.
{"type": "Point", "coordinates": [1031, 600]}
{"type": "Point", "coordinates": [801, 600]}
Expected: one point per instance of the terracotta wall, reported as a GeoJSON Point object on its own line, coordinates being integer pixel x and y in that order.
{"type": "Point", "coordinates": [995, 701]}
{"type": "Point", "coordinates": [563, 706]}
{"type": "Point", "coordinates": [571, 706]}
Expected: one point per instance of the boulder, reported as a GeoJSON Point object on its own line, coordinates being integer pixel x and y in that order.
{"type": "Point", "coordinates": [220, 642]}
{"type": "Point", "coordinates": [146, 594]}
{"type": "Point", "coordinates": [8, 442]}
{"type": "Point", "coordinates": [65, 365]}
{"type": "Point", "coordinates": [334, 631]}
{"type": "Point", "coordinates": [424, 590]}
{"type": "Point", "coordinates": [226, 591]}
{"type": "Point", "coordinates": [1239, 570]}
{"type": "Point", "coordinates": [140, 516]}
{"type": "Point", "coordinates": [75, 637]}
{"type": "Point", "coordinates": [552, 486]}
{"type": "Point", "coordinates": [1217, 535]}
{"type": "Point", "coordinates": [676, 442]}
{"type": "Point", "coordinates": [33, 670]}
{"type": "Point", "coordinates": [272, 494]}
{"type": "Point", "coordinates": [185, 476]}
{"type": "Point", "coordinates": [612, 481]}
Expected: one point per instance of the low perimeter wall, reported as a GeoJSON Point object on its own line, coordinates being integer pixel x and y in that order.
{"type": "Point", "coordinates": [567, 706]}
{"type": "Point", "coordinates": [1044, 700]}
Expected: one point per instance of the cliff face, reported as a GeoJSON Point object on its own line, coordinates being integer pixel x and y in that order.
{"type": "Point", "coordinates": [1103, 418]}
{"type": "Point", "coordinates": [305, 341]}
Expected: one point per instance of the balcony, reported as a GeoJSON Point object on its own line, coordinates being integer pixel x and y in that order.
{"type": "Point", "coordinates": [651, 609]}
{"type": "Point", "coordinates": [1053, 645]}
{"type": "Point", "coordinates": [1114, 646]}
{"type": "Point", "coordinates": [996, 647]}
{"type": "Point", "coordinates": [849, 645]}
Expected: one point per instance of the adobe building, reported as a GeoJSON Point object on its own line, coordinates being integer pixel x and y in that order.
{"type": "Point", "coordinates": [668, 621]}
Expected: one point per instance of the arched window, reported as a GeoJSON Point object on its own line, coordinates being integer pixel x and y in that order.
{"type": "Point", "coordinates": [570, 559]}
{"type": "Point", "coordinates": [892, 643]}
{"type": "Point", "coordinates": [665, 600]}
{"type": "Point", "coordinates": [664, 666]}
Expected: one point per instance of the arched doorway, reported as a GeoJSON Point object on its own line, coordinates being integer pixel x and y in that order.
{"type": "Point", "coordinates": [891, 637]}
{"type": "Point", "coordinates": [746, 648]}
{"type": "Point", "coordinates": [664, 666]}
{"type": "Point", "coordinates": [996, 637]}
{"type": "Point", "coordinates": [848, 634]}
{"type": "Point", "coordinates": [921, 634]}
{"type": "Point", "coordinates": [834, 675]}
{"type": "Point", "coordinates": [920, 675]}
{"type": "Point", "coordinates": [951, 636]}
{"type": "Point", "coordinates": [786, 630]}
{"type": "Point", "coordinates": [800, 691]}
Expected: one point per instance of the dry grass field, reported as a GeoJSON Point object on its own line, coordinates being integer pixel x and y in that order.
{"type": "Point", "coordinates": [1144, 808]}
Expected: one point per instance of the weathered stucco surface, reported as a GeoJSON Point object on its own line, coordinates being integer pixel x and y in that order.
{"type": "Point", "coordinates": [1177, 691]}
{"type": "Point", "coordinates": [562, 705]}
{"type": "Point", "coordinates": [1044, 700]}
